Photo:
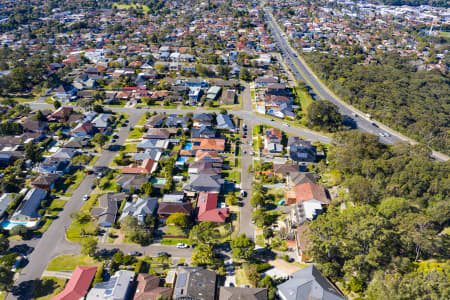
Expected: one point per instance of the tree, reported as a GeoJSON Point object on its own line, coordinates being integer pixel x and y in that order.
{"type": "Point", "coordinates": [203, 233]}
{"type": "Point", "coordinates": [80, 217]}
{"type": "Point", "coordinates": [89, 246]}
{"type": "Point", "coordinates": [242, 247]}
{"type": "Point", "coordinates": [231, 199]}
{"type": "Point", "coordinates": [4, 244]}
{"type": "Point", "coordinates": [268, 283]}
{"type": "Point", "coordinates": [178, 219]}
{"type": "Point", "coordinates": [81, 160]}
{"type": "Point", "coordinates": [32, 152]}
{"type": "Point", "coordinates": [147, 188]}
{"type": "Point", "coordinates": [99, 139]}
{"type": "Point", "coordinates": [6, 278]}
{"type": "Point", "coordinates": [324, 115]}
{"type": "Point", "coordinates": [40, 116]}
{"type": "Point", "coordinates": [56, 104]}
{"type": "Point", "coordinates": [19, 230]}
{"type": "Point", "coordinates": [257, 200]}
{"type": "Point", "coordinates": [203, 255]}
{"type": "Point", "coordinates": [245, 74]}
{"type": "Point", "coordinates": [129, 223]}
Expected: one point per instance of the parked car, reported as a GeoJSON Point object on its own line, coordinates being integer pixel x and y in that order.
{"type": "Point", "coordinates": [115, 136]}
{"type": "Point", "coordinates": [89, 172]}
{"type": "Point", "coordinates": [286, 124]}
{"type": "Point", "coordinates": [182, 246]}
{"type": "Point", "coordinates": [163, 254]}
{"type": "Point", "coordinates": [85, 197]}
{"type": "Point", "coordinates": [134, 253]}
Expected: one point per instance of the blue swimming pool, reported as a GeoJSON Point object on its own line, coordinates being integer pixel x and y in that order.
{"type": "Point", "coordinates": [9, 225]}
{"type": "Point", "coordinates": [158, 180]}
{"type": "Point", "coordinates": [182, 159]}
{"type": "Point", "coordinates": [188, 146]}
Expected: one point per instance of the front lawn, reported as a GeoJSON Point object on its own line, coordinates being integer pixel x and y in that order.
{"type": "Point", "coordinates": [73, 234]}
{"type": "Point", "coordinates": [173, 242]}
{"type": "Point", "coordinates": [69, 262]}
{"type": "Point", "coordinates": [174, 230]}
{"type": "Point", "coordinates": [48, 287]}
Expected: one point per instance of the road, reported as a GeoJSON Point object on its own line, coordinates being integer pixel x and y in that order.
{"type": "Point", "coordinates": [302, 72]}
{"type": "Point", "coordinates": [45, 248]}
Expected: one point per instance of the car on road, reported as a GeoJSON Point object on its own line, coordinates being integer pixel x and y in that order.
{"type": "Point", "coordinates": [271, 120]}
{"type": "Point", "coordinates": [252, 153]}
{"type": "Point", "coordinates": [182, 246]}
{"type": "Point", "coordinates": [134, 253]}
{"type": "Point", "coordinates": [163, 254]}
{"type": "Point", "coordinates": [286, 124]}
{"type": "Point", "coordinates": [89, 172]}
{"type": "Point", "coordinates": [113, 141]}
{"type": "Point", "coordinates": [355, 115]}
{"type": "Point", "coordinates": [115, 136]}
{"type": "Point", "coordinates": [86, 197]}
{"type": "Point", "coordinates": [374, 124]}
{"type": "Point", "coordinates": [243, 136]}
{"type": "Point", "coordinates": [243, 193]}
{"type": "Point", "coordinates": [100, 175]}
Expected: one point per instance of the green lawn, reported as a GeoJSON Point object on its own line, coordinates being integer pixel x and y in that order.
{"type": "Point", "coordinates": [79, 176]}
{"type": "Point", "coordinates": [145, 8]}
{"type": "Point", "coordinates": [74, 230]}
{"type": "Point", "coordinates": [48, 287]}
{"type": "Point", "coordinates": [129, 148]}
{"type": "Point", "coordinates": [137, 133]}
{"type": "Point", "coordinates": [70, 262]}
{"type": "Point", "coordinates": [241, 277]}
{"type": "Point", "coordinates": [93, 160]}
{"type": "Point", "coordinates": [174, 241]}
{"type": "Point", "coordinates": [260, 240]}
{"type": "Point", "coordinates": [175, 231]}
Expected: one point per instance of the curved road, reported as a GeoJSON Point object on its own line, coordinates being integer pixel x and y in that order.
{"type": "Point", "coordinates": [302, 72]}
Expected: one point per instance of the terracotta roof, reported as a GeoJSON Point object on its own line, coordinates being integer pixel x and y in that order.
{"type": "Point", "coordinates": [309, 191]}
{"type": "Point", "coordinates": [208, 155]}
{"type": "Point", "coordinates": [145, 168]}
{"type": "Point", "coordinates": [78, 284]}
{"type": "Point", "coordinates": [207, 208]}
{"type": "Point", "coordinates": [148, 288]}
{"type": "Point", "coordinates": [209, 144]}
{"type": "Point", "coordinates": [174, 207]}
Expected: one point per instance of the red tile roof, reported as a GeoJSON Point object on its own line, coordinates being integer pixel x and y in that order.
{"type": "Point", "coordinates": [207, 208]}
{"type": "Point", "coordinates": [78, 284]}
{"type": "Point", "coordinates": [309, 191]}
{"type": "Point", "coordinates": [145, 168]}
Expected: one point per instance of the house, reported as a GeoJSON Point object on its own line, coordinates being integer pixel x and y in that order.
{"type": "Point", "coordinates": [118, 287]}
{"type": "Point", "coordinates": [206, 132]}
{"type": "Point", "coordinates": [6, 159]}
{"type": "Point", "coordinates": [194, 94]}
{"type": "Point", "coordinates": [213, 93]}
{"type": "Point", "coordinates": [204, 183]}
{"type": "Point", "coordinates": [149, 144]}
{"type": "Point", "coordinates": [101, 122]}
{"type": "Point", "coordinates": [45, 181]}
{"type": "Point", "coordinates": [309, 199]}
{"type": "Point", "coordinates": [140, 209]}
{"type": "Point", "coordinates": [30, 124]}
{"type": "Point", "coordinates": [228, 97]}
{"type": "Point", "coordinates": [204, 167]}
{"type": "Point", "coordinates": [195, 283]}
{"type": "Point", "coordinates": [211, 156]}
{"type": "Point", "coordinates": [106, 211]}
{"type": "Point", "coordinates": [283, 170]}
{"type": "Point", "coordinates": [158, 133]}
{"type": "Point", "coordinates": [129, 182]}
{"type": "Point", "coordinates": [65, 93]}
{"type": "Point", "coordinates": [5, 200]}
{"type": "Point", "coordinates": [148, 166]}
{"type": "Point", "coordinates": [298, 178]}
{"type": "Point", "coordinates": [272, 140]}
{"type": "Point", "coordinates": [154, 154]}
{"type": "Point", "coordinates": [78, 284]}
{"type": "Point", "coordinates": [224, 122]}
{"type": "Point", "coordinates": [27, 211]}
{"type": "Point", "coordinates": [149, 288]}
{"type": "Point", "coordinates": [168, 208]}
{"type": "Point", "coordinates": [62, 114]}
{"type": "Point", "coordinates": [174, 197]}
{"type": "Point", "coordinates": [202, 119]}
{"type": "Point", "coordinates": [301, 150]}
{"type": "Point", "coordinates": [64, 154]}
{"type": "Point", "coordinates": [155, 121]}
{"type": "Point", "coordinates": [77, 142]}
{"type": "Point", "coordinates": [265, 81]}
{"type": "Point", "coordinates": [175, 121]}
{"type": "Point", "coordinates": [308, 283]}
{"type": "Point", "coordinates": [83, 130]}
{"type": "Point", "coordinates": [207, 209]}
{"type": "Point", "coordinates": [200, 144]}
{"type": "Point", "coordinates": [239, 293]}
{"type": "Point", "coordinates": [302, 238]}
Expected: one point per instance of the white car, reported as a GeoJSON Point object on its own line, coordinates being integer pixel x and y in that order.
{"type": "Point", "coordinates": [286, 124]}
{"type": "Point", "coordinates": [85, 197]}
{"type": "Point", "coordinates": [182, 246]}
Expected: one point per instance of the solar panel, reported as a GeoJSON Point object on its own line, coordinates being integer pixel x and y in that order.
{"type": "Point", "coordinates": [181, 280]}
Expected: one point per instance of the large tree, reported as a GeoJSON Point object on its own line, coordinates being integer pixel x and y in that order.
{"type": "Point", "coordinates": [204, 233]}
{"type": "Point", "coordinates": [324, 114]}
{"type": "Point", "coordinates": [242, 247]}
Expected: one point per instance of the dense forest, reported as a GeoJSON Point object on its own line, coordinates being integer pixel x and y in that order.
{"type": "Point", "coordinates": [414, 102]}
{"type": "Point", "coordinates": [387, 237]}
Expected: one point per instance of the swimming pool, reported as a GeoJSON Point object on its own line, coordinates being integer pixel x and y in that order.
{"type": "Point", "coordinates": [182, 159]}
{"type": "Point", "coordinates": [9, 225]}
{"type": "Point", "coordinates": [188, 146]}
{"type": "Point", "coordinates": [158, 180]}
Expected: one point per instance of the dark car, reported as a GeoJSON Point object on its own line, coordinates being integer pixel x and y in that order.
{"type": "Point", "coordinates": [163, 254]}
{"type": "Point", "coordinates": [89, 172]}
{"type": "Point", "coordinates": [134, 253]}
{"type": "Point", "coordinates": [115, 136]}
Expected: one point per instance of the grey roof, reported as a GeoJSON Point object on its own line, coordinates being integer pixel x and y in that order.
{"type": "Point", "coordinates": [237, 293]}
{"type": "Point", "coordinates": [224, 122]}
{"type": "Point", "coordinates": [141, 208]}
{"type": "Point", "coordinates": [202, 117]}
{"type": "Point", "coordinates": [101, 121]}
{"type": "Point", "coordinates": [126, 181]}
{"type": "Point", "coordinates": [154, 154]}
{"type": "Point", "coordinates": [195, 283]}
{"type": "Point", "coordinates": [5, 201]}
{"type": "Point", "coordinates": [174, 197]}
{"type": "Point", "coordinates": [306, 284]}
{"type": "Point", "coordinates": [203, 132]}
{"type": "Point", "coordinates": [64, 154]}
{"type": "Point", "coordinates": [298, 178]}
{"type": "Point", "coordinates": [30, 204]}
{"type": "Point", "coordinates": [116, 288]}
{"type": "Point", "coordinates": [204, 183]}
